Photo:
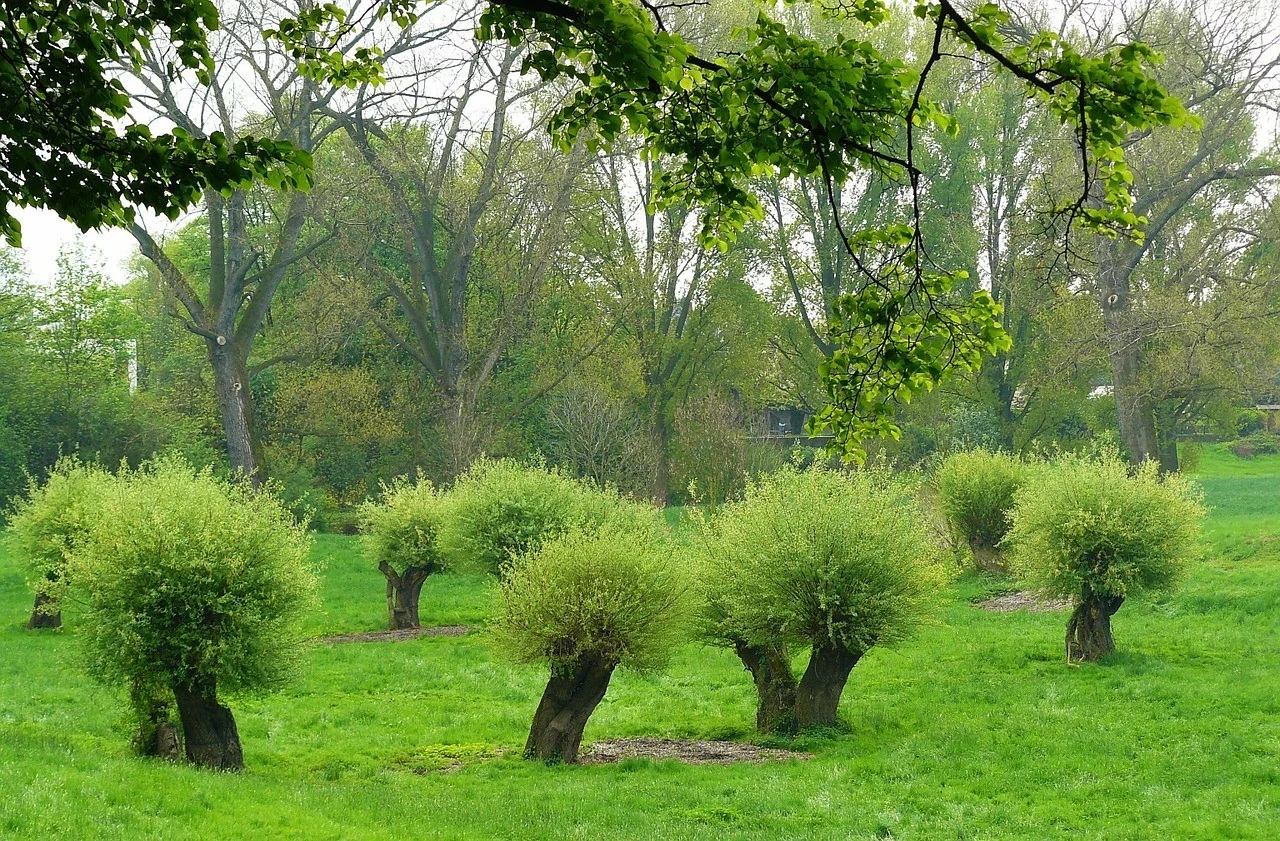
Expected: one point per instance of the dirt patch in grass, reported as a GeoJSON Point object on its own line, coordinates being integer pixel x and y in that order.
{"type": "Point", "coordinates": [1023, 600]}
{"type": "Point", "coordinates": [692, 752]}
{"type": "Point", "coordinates": [407, 634]}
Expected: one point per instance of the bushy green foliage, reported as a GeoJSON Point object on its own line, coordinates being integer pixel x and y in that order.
{"type": "Point", "coordinates": [975, 493]}
{"type": "Point", "coordinates": [822, 557]}
{"type": "Point", "coordinates": [1256, 444]}
{"type": "Point", "coordinates": [610, 594]}
{"type": "Point", "coordinates": [500, 509]}
{"type": "Point", "coordinates": [189, 580]}
{"type": "Point", "coordinates": [1102, 525]}
{"type": "Point", "coordinates": [55, 518]}
{"type": "Point", "coordinates": [403, 527]}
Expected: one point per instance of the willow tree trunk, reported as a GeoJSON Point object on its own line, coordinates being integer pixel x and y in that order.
{"type": "Point", "coordinates": [770, 668]}
{"type": "Point", "coordinates": [1169, 454]}
{"type": "Point", "coordinates": [236, 410]}
{"type": "Point", "coordinates": [44, 616]}
{"type": "Point", "coordinates": [208, 729]}
{"type": "Point", "coordinates": [567, 703]}
{"type": "Point", "coordinates": [1089, 628]}
{"type": "Point", "coordinates": [404, 589]}
{"type": "Point", "coordinates": [818, 695]}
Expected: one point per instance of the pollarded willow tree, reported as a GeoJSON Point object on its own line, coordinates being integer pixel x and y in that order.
{"type": "Point", "coordinates": [403, 534]}
{"type": "Point", "coordinates": [49, 523]}
{"type": "Point", "coordinates": [193, 587]}
{"type": "Point", "coordinates": [501, 509]}
{"type": "Point", "coordinates": [1098, 532]}
{"type": "Point", "coordinates": [830, 561]}
{"type": "Point", "coordinates": [975, 493]}
{"type": "Point", "coordinates": [586, 604]}
{"type": "Point", "coordinates": [785, 104]}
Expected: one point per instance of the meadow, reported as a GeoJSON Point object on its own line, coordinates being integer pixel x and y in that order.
{"type": "Point", "coordinates": [975, 729]}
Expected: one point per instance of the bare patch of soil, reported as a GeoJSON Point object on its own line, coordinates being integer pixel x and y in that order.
{"type": "Point", "coordinates": [407, 634]}
{"type": "Point", "coordinates": [692, 752]}
{"type": "Point", "coordinates": [1022, 600]}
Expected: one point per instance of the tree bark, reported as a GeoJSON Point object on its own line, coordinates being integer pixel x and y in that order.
{"type": "Point", "coordinates": [42, 616]}
{"type": "Point", "coordinates": [567, 703]}
{"type": "Point", "coordinates": [1169, 454]}
{"type": "Point", "coordinates": [770, 667]}
{"type": "Point", "coordinates": [818, 695]}
{"type": "Point", "coordinates": [236, 410]}
{"type": "Point", "coordinates": [1089, 629]}
{"type": "Point", "coordinates": [209, 730]}
{"type": "Point", "coordinates": [660, 429]}
{"type": "Point", "coordinates": [403, 592]}
{"type": "Point", "coordinates": [1136, 413]}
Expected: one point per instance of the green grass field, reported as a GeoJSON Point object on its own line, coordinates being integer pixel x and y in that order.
{"type": "Point", "coordinates": [976, 729]}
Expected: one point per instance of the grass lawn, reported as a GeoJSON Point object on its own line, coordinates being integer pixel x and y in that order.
{"type": "Point", "coordinates": [976, 729]}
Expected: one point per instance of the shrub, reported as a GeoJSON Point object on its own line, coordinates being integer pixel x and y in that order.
{"type": "Point", "coordinates": [709, 452]}
{"type": "Point", "coordinates": [975, 493]}
{"type": "Point", "coordinates": [196, 586]}
{"type": "Point", "coordinates": [585, 604]}
{"type": "Point", "coordinates": [598, 437]}
{"type": "Point", "coordinates": [836, 562]}
{"type": "Point", "coordinates": [402, 534]}
{"type": "Point", "coordinates": [1256, 444]}
{"type": "Point", "coordinates": [1097, 532]}
{"type": "Point", "coordinates": [500, 509]}
{"type": "Point", "coordinates": [49, 523]}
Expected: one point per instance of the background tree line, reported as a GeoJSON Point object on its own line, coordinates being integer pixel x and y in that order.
{"type": "Point", "coordinates": [454, 285]}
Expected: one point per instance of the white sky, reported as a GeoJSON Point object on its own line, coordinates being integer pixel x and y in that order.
{"type": "Point", "coordinates": [44, 233]}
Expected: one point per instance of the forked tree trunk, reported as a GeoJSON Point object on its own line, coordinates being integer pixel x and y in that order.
{"type": "Point", "coordinates": [42, 616]}
{"type": "Point", "coordinates": [770, 667]}
{"type": "Point", "coordinates": [404, 589]}
{"type": "Point", "coordinates": [208, 729]}
{"type": "Point", "coordinates": [818, 695]}
{"type": "Point", "coordinates": [567, 703]}
{"type": "Point", "coordinates": [1089, 629]}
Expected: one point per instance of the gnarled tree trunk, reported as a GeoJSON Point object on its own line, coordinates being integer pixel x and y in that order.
{"type": "Point", "coordinates": [1089, 629]}
{"type": "Point", "coordinates": [818, 695]}
{"type": "Point", "coordinates": [208, 729]}
{"type": "Point", "coordinates": [404, 589]}
{"type": "Point", "coordinates": [567, 703]}
{"type": "Point", "coordinates": [42, 616]}
{"type": "Point", "coordinates": [770, 667]}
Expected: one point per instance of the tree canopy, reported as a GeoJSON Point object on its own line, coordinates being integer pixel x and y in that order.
{"type": "Point", "coordinates": [70, 142]}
